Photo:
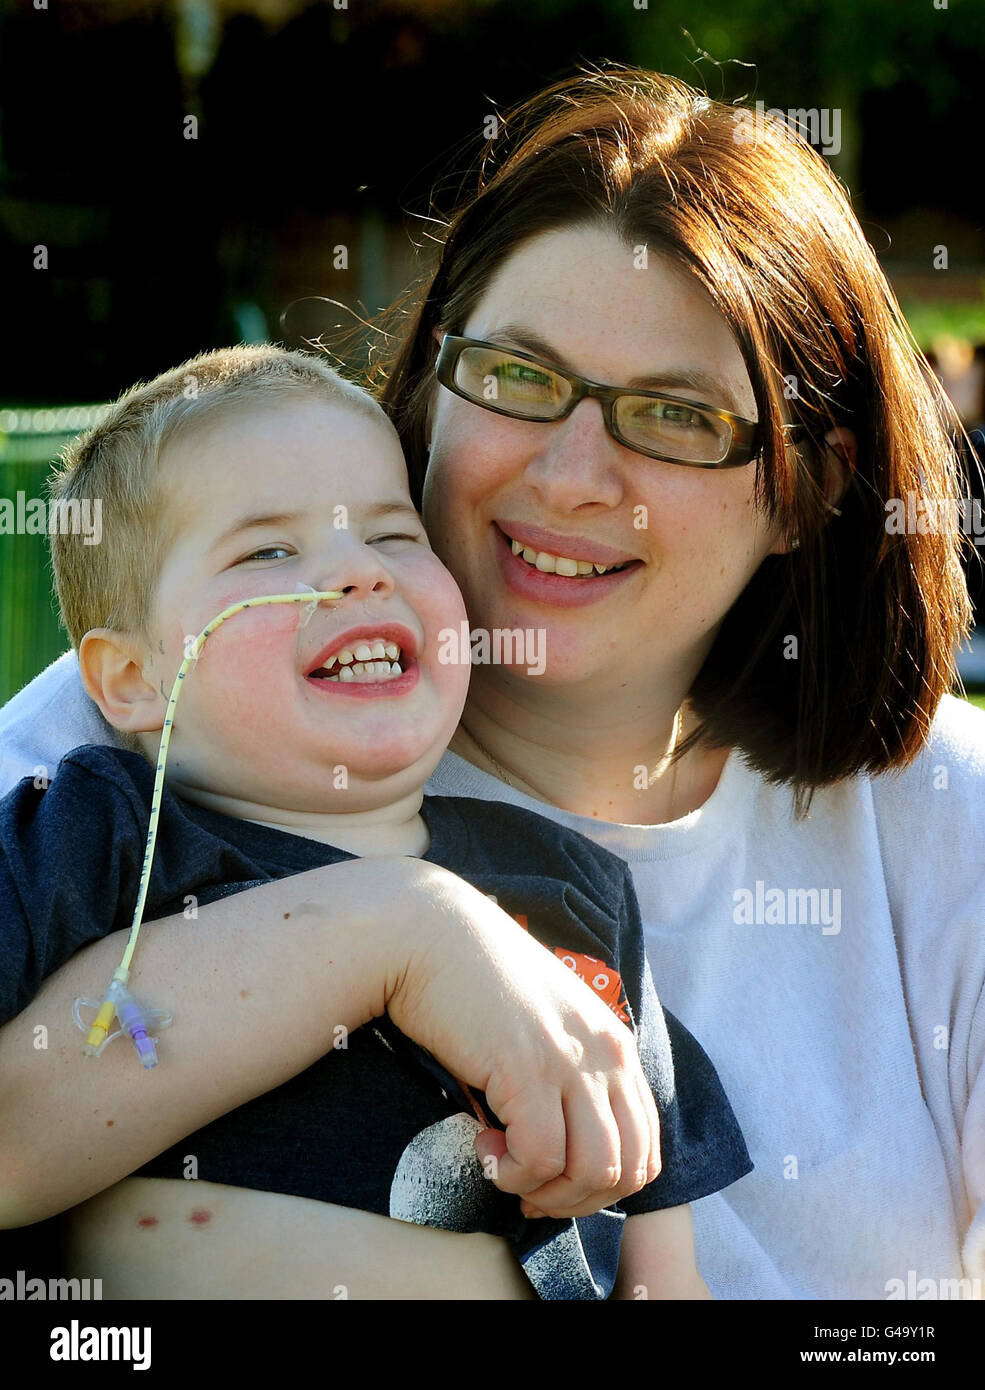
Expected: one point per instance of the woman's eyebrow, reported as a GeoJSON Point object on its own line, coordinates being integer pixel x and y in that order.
{"type": "Point", "coordinates": [512, 334]}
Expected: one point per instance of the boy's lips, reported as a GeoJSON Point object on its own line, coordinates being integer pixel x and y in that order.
{"type": "Point", "coordinates": [394, 673]}
{"type": "Point", "coordinates": [353, 636]}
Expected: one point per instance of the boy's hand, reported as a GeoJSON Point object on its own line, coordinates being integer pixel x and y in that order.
{"type": "Point", "coordinates": [559, 1069]}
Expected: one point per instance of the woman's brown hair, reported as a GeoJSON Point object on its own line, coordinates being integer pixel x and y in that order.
{"type": "Point", "coordinates": [756, 215]}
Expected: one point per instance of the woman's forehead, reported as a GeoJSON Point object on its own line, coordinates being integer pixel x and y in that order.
{"type": "Point", "coordinates": [610, 311]}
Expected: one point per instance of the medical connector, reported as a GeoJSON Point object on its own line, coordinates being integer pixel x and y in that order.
{"type": "Point", "coordinates": [136, 1020]}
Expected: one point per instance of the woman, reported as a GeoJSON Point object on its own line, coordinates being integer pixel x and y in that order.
{"type": "Point", "coordinates": [754, 650]}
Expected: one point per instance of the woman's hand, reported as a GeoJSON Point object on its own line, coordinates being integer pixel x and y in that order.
{"type": "Point", "coordinates": [560, 1070]}
{"type": "Point", "coordinates": [259, 985]}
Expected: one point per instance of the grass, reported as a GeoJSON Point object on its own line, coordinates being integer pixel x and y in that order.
{"type": "Point", "coordinates": [978, 700]}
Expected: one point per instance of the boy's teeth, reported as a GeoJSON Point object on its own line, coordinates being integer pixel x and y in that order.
{"type": "Point", "coordinates": [366, 671]}
{"type": "Point", "coordinates": [557, 564]}
{"type": "Point", "coordinates": [376, 659]}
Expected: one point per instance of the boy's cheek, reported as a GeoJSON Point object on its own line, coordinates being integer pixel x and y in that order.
{"type": "Point", "coordinates": [250, 663]}
{"type": "Point", "coordinates": [440, 597]}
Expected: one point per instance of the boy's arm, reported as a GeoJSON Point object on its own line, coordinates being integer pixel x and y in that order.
{"type": "Point", "coordinates": [657, 1257]}
{"type": "Point", "coordinates": [258, 985]}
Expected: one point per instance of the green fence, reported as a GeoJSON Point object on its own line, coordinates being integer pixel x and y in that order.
{"type": "Point", "coordinates": [30, 635]}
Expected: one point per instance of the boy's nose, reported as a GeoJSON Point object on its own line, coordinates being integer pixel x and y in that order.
{"type": "Point", "coordinates": [358, 575]}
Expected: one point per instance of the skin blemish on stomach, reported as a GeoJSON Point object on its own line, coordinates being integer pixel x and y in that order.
{"type": "Point", "coordinates": [244, 994]}
{"type": "Point", "coordinates": [200, 1217]}
{"type": "Point", "coordinates": [110, 1123]}
{"type": "Point", "coordinates": [286, 915]}
{"type": "Point", "coordinates": [146, 1221]}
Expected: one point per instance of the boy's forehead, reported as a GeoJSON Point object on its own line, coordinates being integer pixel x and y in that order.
{"type": "Point", "coordinates": [299, 453]}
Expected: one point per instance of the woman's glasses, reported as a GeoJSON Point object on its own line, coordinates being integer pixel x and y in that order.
{"type": "Point", "coordinates": [662, 427]}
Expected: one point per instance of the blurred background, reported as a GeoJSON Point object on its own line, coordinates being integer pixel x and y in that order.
{"type": "Point", "coordinates": [195, 168]}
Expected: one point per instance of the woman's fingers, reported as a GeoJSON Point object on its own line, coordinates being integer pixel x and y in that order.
{"type": "Point", "coordinates": [649, 1105]}
{"type": "Point", "coordinates": [532, 1151]}
{"type": "Point", "coordinates": [611, 1148]}
{"type": "Point", "coordinates": [593, 1163]}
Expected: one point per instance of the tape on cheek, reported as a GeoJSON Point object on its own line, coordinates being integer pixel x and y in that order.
{"type": "Point", "coordinates": [308, 608]}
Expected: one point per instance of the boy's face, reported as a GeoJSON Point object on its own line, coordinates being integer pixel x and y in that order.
{"type": "Point", "coordinates": [253, 722]}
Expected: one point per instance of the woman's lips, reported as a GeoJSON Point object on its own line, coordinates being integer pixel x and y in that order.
{"type": "Point", "coordinates": [557, 590]}
{"type": "Point", "coordinates": [396, 685]}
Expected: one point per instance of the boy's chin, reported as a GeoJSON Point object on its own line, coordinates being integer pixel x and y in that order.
{"type": "Point", "coordinates": [401, 772]}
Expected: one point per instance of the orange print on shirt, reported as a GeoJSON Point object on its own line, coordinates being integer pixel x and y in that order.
{"type": "Point", "coordinates": [606, 982]}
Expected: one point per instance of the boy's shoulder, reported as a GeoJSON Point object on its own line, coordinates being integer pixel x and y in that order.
{"type": "Point", "coordinates": [92, 775]}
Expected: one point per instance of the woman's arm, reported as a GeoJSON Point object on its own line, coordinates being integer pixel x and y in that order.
{"type": "Point", "coordinates": [657, 1258]}
{"type": "Point", "coordinates": [259, 984]}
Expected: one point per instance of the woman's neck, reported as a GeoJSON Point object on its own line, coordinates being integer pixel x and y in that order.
{"type": "Point", "coordinates": [566, 756]}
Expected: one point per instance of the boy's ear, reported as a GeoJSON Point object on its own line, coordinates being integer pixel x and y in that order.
{"type": "Point", "coordinates": [111, 666]}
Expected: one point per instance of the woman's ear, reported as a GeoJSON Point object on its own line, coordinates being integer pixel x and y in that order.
{"type": "Point", "coordinates": [841, 460]}
{"type": "Point", "coordinates": [111, 667]}
{"type": "Point", "coordinates": [437, 335]}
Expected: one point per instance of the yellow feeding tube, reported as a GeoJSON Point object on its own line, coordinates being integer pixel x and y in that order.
{"type": "Point", "coordinates": [135, 1019]}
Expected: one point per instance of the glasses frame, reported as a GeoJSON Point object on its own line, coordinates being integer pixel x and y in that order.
{"type": "Point", "coordinates": [745, 446]}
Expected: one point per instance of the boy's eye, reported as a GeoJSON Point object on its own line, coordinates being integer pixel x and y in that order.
{"type": "Point", "coordinates": [264, 552]}
{"type": "Point", "coordinates": [394, 536]}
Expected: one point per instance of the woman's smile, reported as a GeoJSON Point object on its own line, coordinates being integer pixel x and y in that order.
{"type": "Point", "coordinates": [560, 580]}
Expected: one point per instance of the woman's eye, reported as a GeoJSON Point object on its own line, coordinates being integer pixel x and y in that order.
{"type": "Point", "coordinates": [522, 376]}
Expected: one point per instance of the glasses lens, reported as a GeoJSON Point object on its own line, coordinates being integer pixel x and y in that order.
{"type": "Point", "coordinates": [672, 428]}
{"type": "Point", "coordinates": [494, 377]}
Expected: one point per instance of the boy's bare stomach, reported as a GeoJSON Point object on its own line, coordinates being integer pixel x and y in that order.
{"type": "Point", "coordinates": [166, 1238]}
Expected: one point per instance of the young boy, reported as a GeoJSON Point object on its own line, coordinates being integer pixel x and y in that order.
{"type": "Point", "coordinates": [247, 472]}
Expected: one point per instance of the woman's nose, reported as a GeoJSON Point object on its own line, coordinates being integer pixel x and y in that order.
{"type": "Point", "coordinates": [577, 463]}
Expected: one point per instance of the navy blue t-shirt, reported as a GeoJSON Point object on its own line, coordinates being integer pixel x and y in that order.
{"type": "Point", "coordinates": [378, 1124]}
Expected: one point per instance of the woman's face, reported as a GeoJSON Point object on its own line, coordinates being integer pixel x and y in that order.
{"type": "Point", "coordinates": [691, 538]}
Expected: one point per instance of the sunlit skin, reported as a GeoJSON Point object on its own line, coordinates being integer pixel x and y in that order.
{"type": "Point", "coordinates": [253, 737]}
{"type": "Point", "coordinates": [618, 667]}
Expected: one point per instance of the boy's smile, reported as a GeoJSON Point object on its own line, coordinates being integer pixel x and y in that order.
{"type": "Point", "coordinates": [368, 661]}
{"type": "Point", "coordinates": [282, 720]}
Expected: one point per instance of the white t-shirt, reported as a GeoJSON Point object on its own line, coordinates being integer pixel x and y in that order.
{"type": "Point", "coordinates": [833, 969]}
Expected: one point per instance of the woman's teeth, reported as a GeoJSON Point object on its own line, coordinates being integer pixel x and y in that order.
{"type": "Point", "coordinates": [374, 660]}
{"type": "Point", "coordinates": [560, 564]}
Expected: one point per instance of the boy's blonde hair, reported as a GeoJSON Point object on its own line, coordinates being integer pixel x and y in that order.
{"type": "Point", "coordinates": [111, 584]}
